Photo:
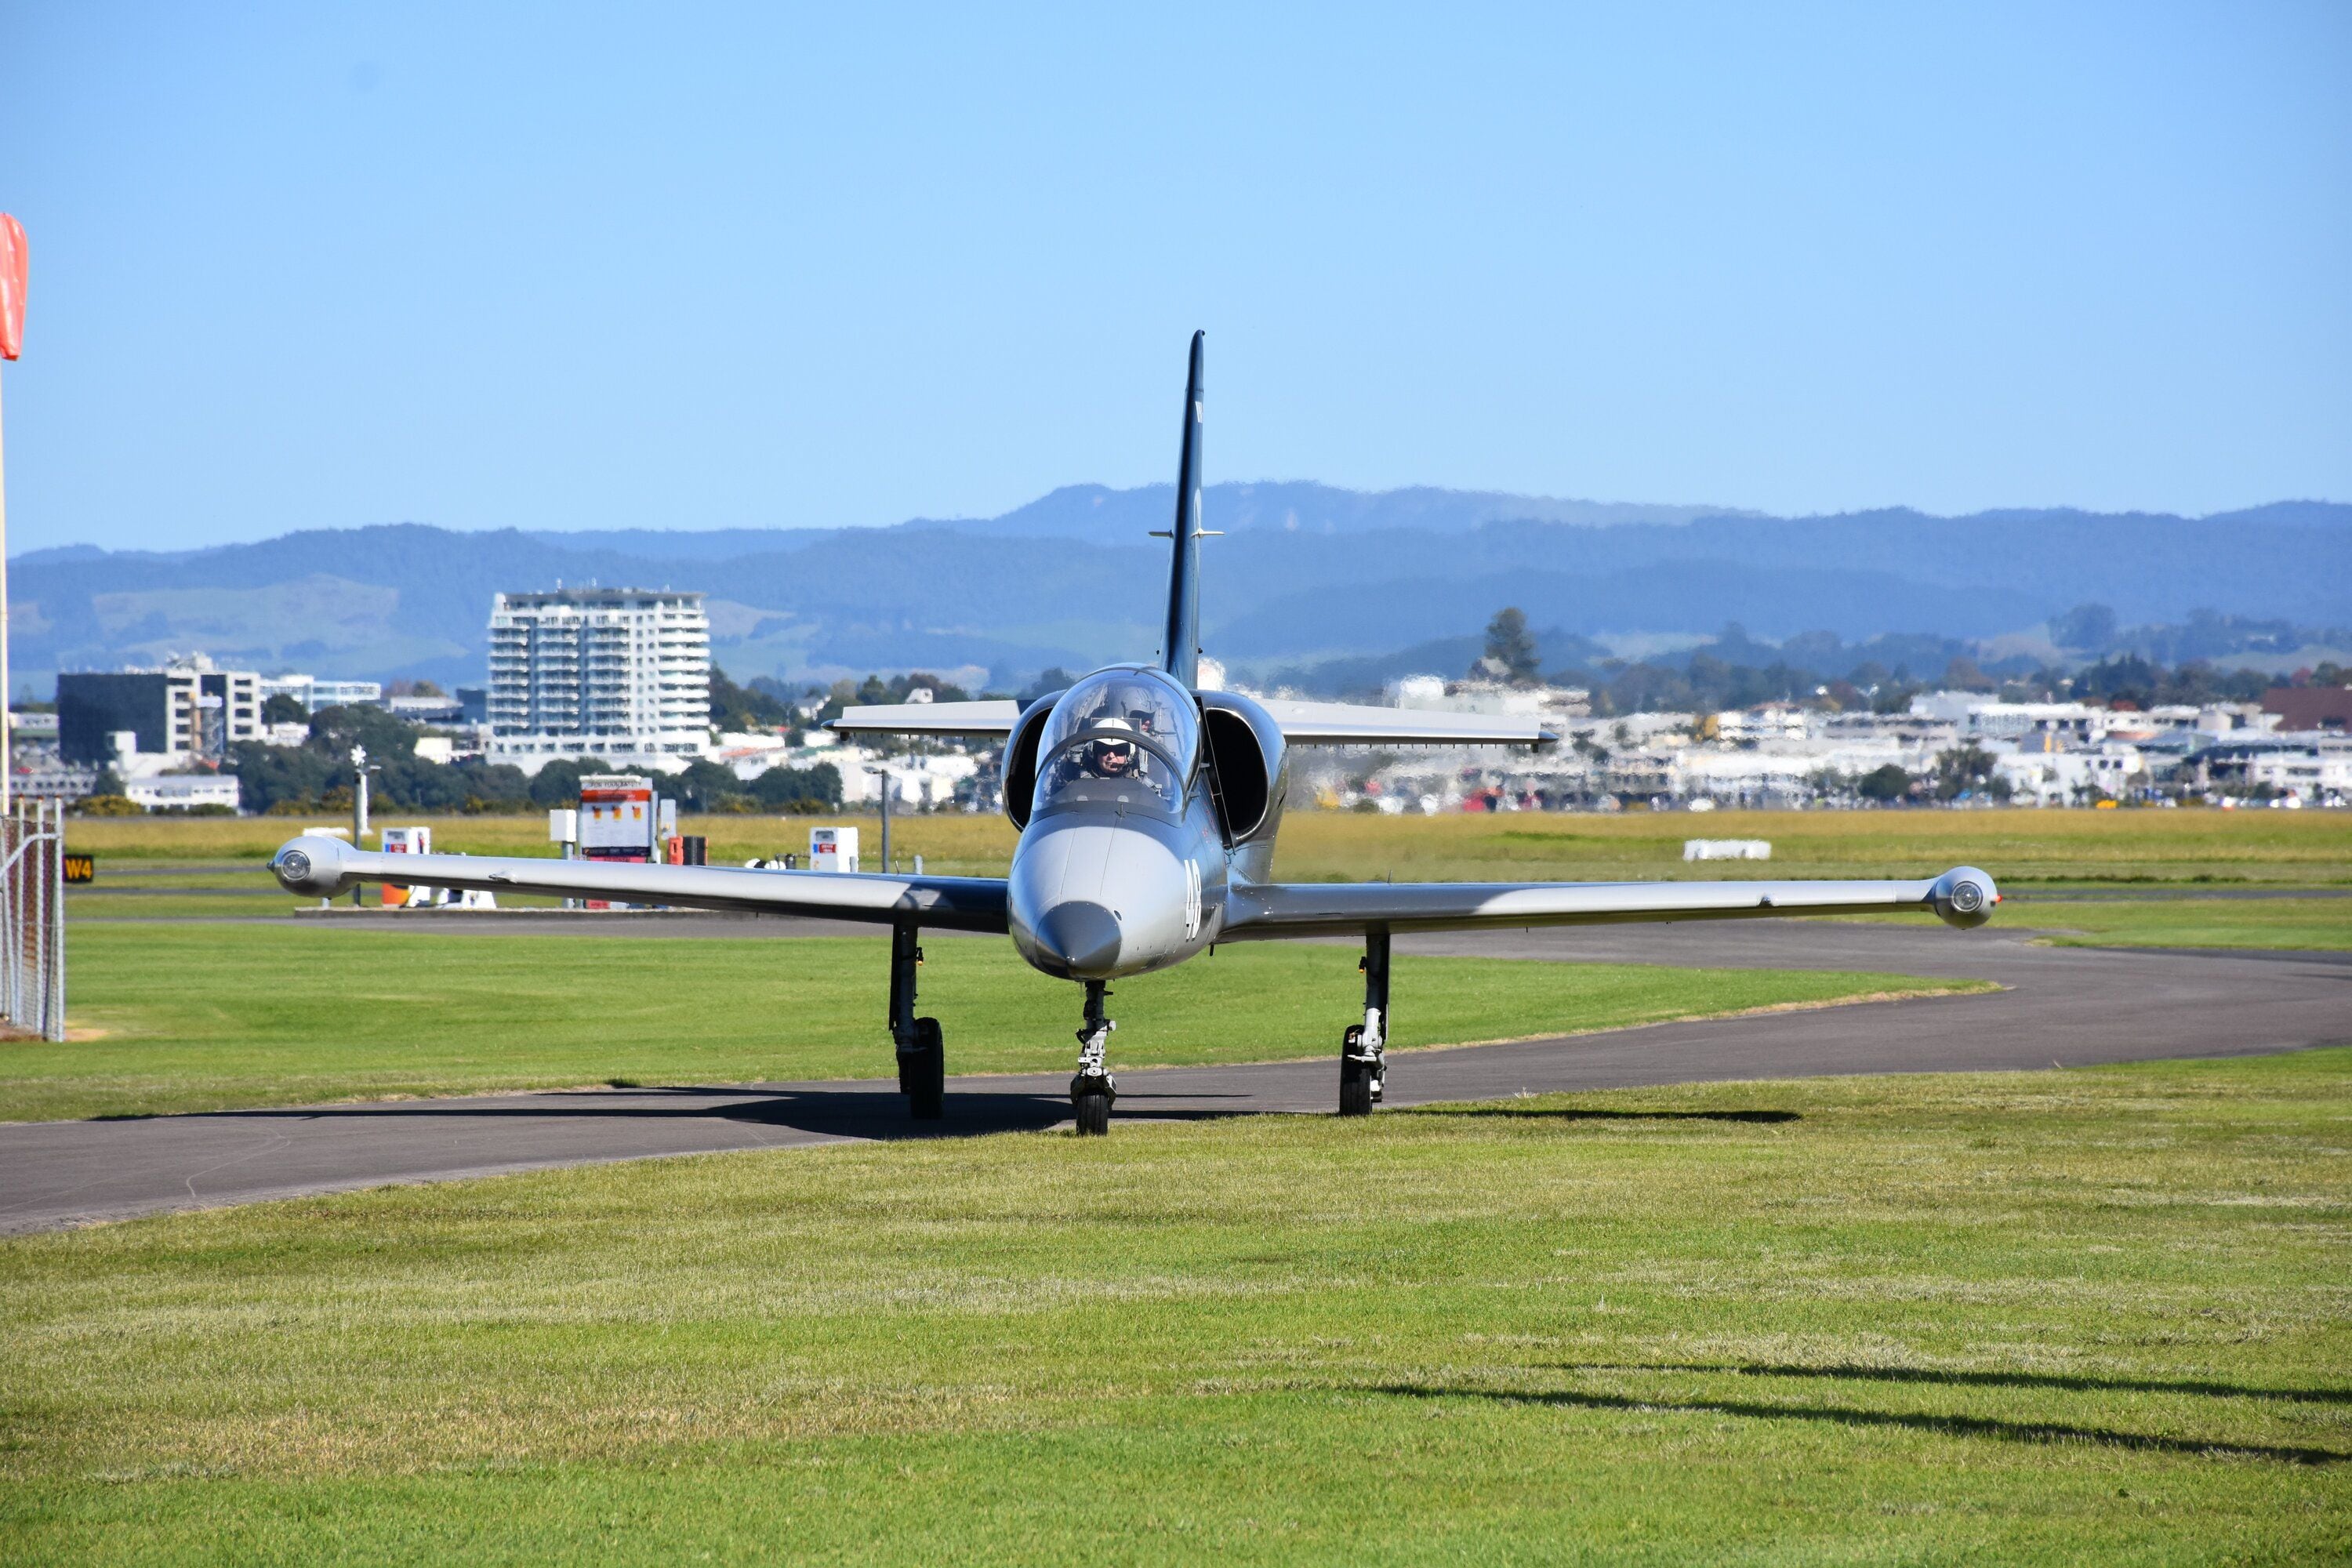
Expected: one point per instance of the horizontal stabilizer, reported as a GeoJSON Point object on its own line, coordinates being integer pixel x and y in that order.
{"type": "Point", "coordinates": [929, 718]}
{"type": "Point", "coordinates": [1350, 724]}
{"type": "Point", "coordinates": [1303, 724]}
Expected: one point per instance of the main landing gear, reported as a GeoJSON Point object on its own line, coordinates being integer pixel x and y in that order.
{"type": "Point", "coordinates": [1363, 1065]}
{"type": "Point", "coordinates": [922, 1051]}
{"type": "Point", "coordinates": [1093, 1089]}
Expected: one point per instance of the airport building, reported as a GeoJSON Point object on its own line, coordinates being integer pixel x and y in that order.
{"type": "Point", "coordinates": [618, 673]}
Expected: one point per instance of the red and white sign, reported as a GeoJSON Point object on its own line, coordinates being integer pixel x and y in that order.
{"type": "Point", "coordinates": [616, 821]}
{"type": "Point", "coordinates": [415, 840]}
{"type": "Point", "coordinates": [616, 817]}
{"type": "Point", "coordinates": [12, 286]}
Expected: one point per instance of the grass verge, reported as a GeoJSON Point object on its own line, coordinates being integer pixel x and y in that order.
{"type": "Point", "coordinates": [2018, 847]}
{"type": "Point", "coordinates": [2095, 1315]}
{"type": "Point", "coordinates": [197, 1017]}
{"type": "Point", "coordinates": [2309, 924]}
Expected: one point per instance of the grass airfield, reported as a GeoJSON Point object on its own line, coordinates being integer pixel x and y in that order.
{"type": "Point", "coordinates": [207, 1016]}
{"type": "Point", "coordinates": [2060, 1317]}
{"type": "Point", "coordinates": [2095, 1315]}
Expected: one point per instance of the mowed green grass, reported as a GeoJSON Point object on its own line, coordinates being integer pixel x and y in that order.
{"type": "Point", "coordinates": [2159, 919]}
{"type": "Point", "coordinates": [155, 870]}
{"type": "Point", "coordinates": [2090, 1316]}
{"type": "Point", "coordinates": [206, 1017]}
{"type": "Point", "coordinates": [2018, 847]}
{"type": "Point", "coordinates": [2280, 923]}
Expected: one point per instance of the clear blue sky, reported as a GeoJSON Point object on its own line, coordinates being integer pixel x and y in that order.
{"type": "Point", "coordinates": [700, 268]}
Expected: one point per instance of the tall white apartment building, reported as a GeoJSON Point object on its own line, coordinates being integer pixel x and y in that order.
{"type": "Point", "coordinates": [618, 673]}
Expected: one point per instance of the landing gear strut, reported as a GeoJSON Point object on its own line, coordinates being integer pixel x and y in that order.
{"type": "Point", "coordinates": [1093, 1089]}
{"type": "Point", "coordinates": [922, 1051]}
{"type": "Point", "coordinates": [1363, 1052]}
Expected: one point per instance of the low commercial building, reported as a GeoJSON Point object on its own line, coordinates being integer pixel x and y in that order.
{"type": "Point", "coordinates": [1981, 718]}
{"type": "Point", "coordinates": [2043, 777]}
{"type": "Point", "coordinates": [2310, 706]}
{"type": "Point", "coordinates": [2314, 767]}
{"type": "Point", "coordinates": [419, 709]}
{"type": "Point", "coordinates": [53, 781]}
{"type": "Point", "coordinates": [314, 694]}
{"type": "Point", "coordinates": [1434, 692]}
{"type": "Point", "coordinates": [179, 791]}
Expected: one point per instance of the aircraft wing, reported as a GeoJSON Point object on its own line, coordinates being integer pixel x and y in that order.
{"type": "Point", "coordinates": [929, 718]}
{"type": "Point", "coordinates": [1963, 897]}
{"type": "Point", "coordinates": [1350, 724]}
{"type": "Point", "coordinates": [319, 867]}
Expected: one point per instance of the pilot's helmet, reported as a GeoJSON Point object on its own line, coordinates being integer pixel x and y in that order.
{"type": "Point", "coordinates": [1119, 754]}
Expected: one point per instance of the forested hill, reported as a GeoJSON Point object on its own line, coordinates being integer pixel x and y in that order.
{"type": "Point", "coordinates": [1305, 572]}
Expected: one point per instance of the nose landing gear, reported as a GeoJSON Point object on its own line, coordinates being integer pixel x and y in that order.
{"type": "Point", "coordinates": [923, 1050]}
{"type": "Point", "coordinates": [1093, 1089]}
{"type": "Point", "coordinates": [1363, 1051]}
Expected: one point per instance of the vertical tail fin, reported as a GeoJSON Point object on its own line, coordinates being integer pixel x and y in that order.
{"type": "Point", "coordinates": [1180, 650]}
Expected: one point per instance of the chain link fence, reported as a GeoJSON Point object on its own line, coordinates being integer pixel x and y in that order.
{"type": "Point", "coordinates": [32, 918]}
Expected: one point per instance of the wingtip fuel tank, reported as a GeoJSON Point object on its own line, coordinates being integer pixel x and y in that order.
{"type": "Point", "coordinates": [1964, 897]}
{"type": "Point", "coordinates": [311, 865]}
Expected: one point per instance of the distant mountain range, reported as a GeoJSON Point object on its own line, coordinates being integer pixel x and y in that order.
{"type": "Point", "coordinates": [1306, 576]}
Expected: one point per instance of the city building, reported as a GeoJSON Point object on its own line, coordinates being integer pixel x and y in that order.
{"type": "Point", "coordinates": [186, 710]}
{"type": "Point", "coordinates": [618, 673]}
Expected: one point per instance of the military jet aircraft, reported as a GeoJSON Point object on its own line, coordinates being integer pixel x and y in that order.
{"type": "Point", "coordinates": [1147, 809]}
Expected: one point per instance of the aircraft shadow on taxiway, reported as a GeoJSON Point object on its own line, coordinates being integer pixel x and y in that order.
{"type": "Point", "coordinates": [878, 1113]}
{"type": "Point", "coordinates": [872, 1113]}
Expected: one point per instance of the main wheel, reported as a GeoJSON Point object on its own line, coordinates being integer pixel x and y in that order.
{"type": "Point", "coordinates": [1355, 1077]}
{"type": "Point", "coordinates": [925, 1073]}
{"type": "Point", "coordinates": [1093, 1112]}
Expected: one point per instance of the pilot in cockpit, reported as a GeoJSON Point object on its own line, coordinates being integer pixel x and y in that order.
{"type": "Point", "coordinates": [1107, 756]}
{"type": "Point", "coordinates": [1117, 734]}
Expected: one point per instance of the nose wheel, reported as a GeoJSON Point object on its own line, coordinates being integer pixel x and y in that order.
{"type": "Point", "coordinates": [1092, 1089]}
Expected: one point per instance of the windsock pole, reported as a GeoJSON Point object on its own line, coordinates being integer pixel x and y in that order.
{"type": "Point", "coordinates": [7, 718]}
{"type": "Point", "coordinates": [12, 343]}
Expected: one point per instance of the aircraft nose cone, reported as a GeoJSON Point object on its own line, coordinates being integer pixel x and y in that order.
{"type": "Point", "coordinates": [1084, 936]}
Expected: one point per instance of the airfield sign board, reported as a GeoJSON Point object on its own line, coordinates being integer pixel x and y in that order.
{"type": "Point", "coordinates": [616, 816]}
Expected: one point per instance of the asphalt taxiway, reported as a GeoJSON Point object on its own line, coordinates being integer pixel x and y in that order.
{"type": "Point", "coordinates": [2060, 1007]}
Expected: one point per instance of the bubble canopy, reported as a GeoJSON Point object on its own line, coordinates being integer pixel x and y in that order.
{"type": "Point", "coordinates": [1120, 737]}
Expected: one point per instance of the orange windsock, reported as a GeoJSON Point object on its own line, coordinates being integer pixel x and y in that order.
{"type": "Point", "coordinates": [12, 286]}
